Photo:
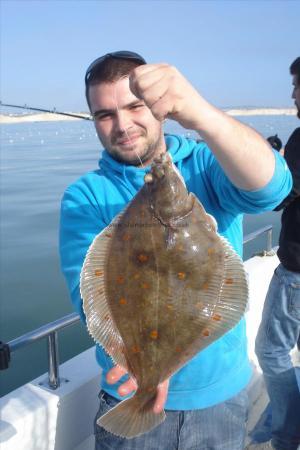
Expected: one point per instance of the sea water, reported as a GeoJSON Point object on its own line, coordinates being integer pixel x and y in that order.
{"type": "Point", "coordinates": [38, 161]}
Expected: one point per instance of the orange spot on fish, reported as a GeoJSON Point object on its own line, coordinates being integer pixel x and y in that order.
{"type": "Point", "coordinates": [120, 279]}
{"type": "Point", "coordinates": [210, 251]}
{"type": "Point", "coordinates": [181, 275]}
{"type": "Point", "coordinates": [169, 306]}
{"type": "Point", "coordinates": [136, 349]}
{"type": "Point", "coordinates": [217, 317]}
{"type": "Point", "coordinates": [123, 301]}
{"type": "Point", "coordinates": [98, 273]}
{"type": "Point", "coordinates": [145, 285]}
{"type": "Point", "coordinates": [205, 286]}
{"type": "Point", "coordinates": [199, 305]}
{"type": "Point", "coordinates": [126, 237]}
{"type": "Point", "coordinates": [151, 389]}
{"type": "Point", "coordinates": [154, 334]}
{"type": "Point", "coordinates": [136, 276]}
{"type": "Point", "coordinates": [142, 257]}
{"type": "Point", "coordinates": [178, 349]}
{"type": "Point", "coordinates": [229, 281]}
{"type": "Point", "coordinates": [206, 333]}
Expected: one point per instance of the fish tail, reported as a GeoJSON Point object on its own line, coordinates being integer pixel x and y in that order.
{"type": "Point", "coordinates": [132, 417]}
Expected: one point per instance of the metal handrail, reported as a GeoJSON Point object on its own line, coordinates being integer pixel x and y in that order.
{"type": "Point", "coordinates": [267, 229]}
{"type": "Point", "coordinates": [50, 330]}
{"type": "Point", "coordinates": [43, 331]}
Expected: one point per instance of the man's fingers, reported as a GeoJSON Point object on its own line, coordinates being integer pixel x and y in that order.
{"type": "Point", "coordinates": [127, 387]}
{"type": "Point", "coordinates": [147, 82]}
{"type": "Point", "coordinates": [117, 372]}
{"type": "Point", "coordinates": [161, 397]}
{"type": "Point", "coordinates": [114, 374]}
{"type": "Point", "coordinates": [161, 87]}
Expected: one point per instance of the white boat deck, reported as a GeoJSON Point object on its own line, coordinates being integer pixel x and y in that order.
{"type": "Point", "coordinates": [36, 418]}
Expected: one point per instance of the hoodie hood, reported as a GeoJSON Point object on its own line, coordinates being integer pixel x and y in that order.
{"type": "Point", "coordinates": [132, 177]}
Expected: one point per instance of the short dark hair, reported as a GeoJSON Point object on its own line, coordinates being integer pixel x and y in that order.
{"type": "Point", "coordinates": [295, 69]}
{"type": "Point", "coordinates": [109, 70]}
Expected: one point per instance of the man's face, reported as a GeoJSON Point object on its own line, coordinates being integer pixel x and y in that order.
{"type": "Point", "coordinates": [124, 124]}
{"type": "Point", "coordinates": [296, 94]}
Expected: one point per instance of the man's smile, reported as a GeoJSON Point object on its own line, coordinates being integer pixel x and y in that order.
{"type": "Point", "coordinates": [128, 140]}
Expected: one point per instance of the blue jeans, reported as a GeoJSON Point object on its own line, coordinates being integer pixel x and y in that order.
{"type": "Point", "coordinates": [220, 427]}
{"type": "Point", "coordinates": [278, 333]}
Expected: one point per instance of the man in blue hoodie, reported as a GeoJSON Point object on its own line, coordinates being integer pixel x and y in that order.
{"type": "Point", "coordinates": [233, 172]}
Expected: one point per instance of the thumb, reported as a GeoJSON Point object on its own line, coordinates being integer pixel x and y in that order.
{"type": "Point", "coordinates": [161, 397]}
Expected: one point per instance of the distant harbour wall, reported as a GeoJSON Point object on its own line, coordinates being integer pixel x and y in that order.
{"type": "Point", "coordinates": [50, 117]}
{"type": "Point", "coordinates": [262, 112]}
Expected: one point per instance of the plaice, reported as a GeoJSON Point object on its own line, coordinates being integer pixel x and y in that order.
{"type": "Point", "coordinates": [159, 284]}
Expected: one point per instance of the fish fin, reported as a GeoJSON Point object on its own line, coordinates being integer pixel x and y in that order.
{"type": "Point", "coordinates": [99, 321]}
{"type": "Point", "coordinates": [227, 310]}
{"type": "Point", "coordinates": [234, 292]}
{"type": "Point", "coordinates": [132, 417]}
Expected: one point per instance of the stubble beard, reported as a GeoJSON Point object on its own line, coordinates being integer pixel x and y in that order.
{"type": "Point", "coordinates": [140, 155]}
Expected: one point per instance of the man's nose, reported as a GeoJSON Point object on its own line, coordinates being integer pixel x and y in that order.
{"type": "Point", "coordinates": [122, 121]}
{"type": "Point", "coordinates": [293, 93]}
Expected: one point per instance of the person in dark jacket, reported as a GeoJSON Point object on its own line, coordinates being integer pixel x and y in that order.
{"type": "Point", "coordinates": [279, 330]}
{"type": "Point", "coordinates": [275, 142]}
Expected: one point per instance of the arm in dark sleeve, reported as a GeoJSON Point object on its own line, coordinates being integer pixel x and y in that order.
{"type": "Point", "coordinates": [295, 193]}
{"type": "Point", "coordinates": [292, 157]}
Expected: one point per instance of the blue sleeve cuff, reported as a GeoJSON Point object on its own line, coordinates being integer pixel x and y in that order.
{"type": "Point", "coordinates": [269, 196]}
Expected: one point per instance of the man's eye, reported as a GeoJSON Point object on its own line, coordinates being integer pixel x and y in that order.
{"type": "Point", "coordinates": [102, 116]}
{"type": "Point", "coordinates": [138, 106]}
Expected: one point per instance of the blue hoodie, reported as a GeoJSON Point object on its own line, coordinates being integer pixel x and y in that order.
{"type": "Point", "coordinates": [221, 370]}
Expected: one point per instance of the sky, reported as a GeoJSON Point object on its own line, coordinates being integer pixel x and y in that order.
{"type": "Point", "coordinates": [236, 53]}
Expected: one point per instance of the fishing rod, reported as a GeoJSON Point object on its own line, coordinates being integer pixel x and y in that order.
{"type": "Point", "coordinates": [53, 111]}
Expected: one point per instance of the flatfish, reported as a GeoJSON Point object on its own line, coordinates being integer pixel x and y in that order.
{"type": "Point", "coordinates": [159, 284]}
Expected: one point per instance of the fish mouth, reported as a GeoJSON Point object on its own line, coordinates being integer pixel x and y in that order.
{"type": "Point", "coordinates": [162, 158]}
{"type": "Point", "coordinates": [161, 166]}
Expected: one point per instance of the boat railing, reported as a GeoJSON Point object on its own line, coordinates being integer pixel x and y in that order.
{"type": "Point", "coordinates": [50, 330]}
{"type": "Point", "coordinates": [268, 229]}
